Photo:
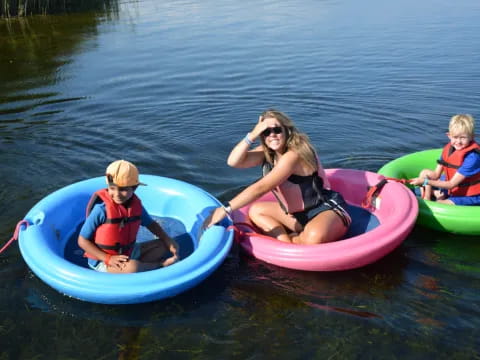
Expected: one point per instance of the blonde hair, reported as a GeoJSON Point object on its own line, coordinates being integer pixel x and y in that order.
{"type": "Point", "coordinates": [295, 140]}
{"type": "Point", "coordinates": [462, 123]}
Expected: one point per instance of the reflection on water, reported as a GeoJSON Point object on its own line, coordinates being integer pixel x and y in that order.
{"type": "Point", "coordinates": [35, 54]}
{"type": "Point", "coordinates": [9, 8]}
{"type": "Point", "coordinates": [34, 50]}
{"type": "Point", "coordinates": [172, 86]}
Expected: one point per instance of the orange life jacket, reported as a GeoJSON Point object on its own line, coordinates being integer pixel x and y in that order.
{"type": "Point", "coordinates": [119, 232]}
{"type": "Point", "coordinates": [452, 160]}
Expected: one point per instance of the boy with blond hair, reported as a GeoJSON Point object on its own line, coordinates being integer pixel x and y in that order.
{"type": "Point", "coordinates": [457, 175]}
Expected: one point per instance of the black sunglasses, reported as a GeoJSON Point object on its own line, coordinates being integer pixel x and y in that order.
{"type": "Point", "coordinates": [276, 130]}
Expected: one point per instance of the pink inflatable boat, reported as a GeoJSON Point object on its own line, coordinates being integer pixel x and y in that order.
{"type": "Point", "coordinates": [375, 231]}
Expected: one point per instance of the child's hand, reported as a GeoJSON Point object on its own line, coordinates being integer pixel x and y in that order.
{"type": "Point", "coordinates": [118, 261]}
{"type": "Point", "coordinates": [416, 181]}
{"type": "Point", "coordinates": [169, 261]}
{"type": "Point", "coordinates": [174, 248]}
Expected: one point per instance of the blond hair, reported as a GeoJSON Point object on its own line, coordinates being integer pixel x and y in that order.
{"type": "Point", "coordinates": [462, 123]}
{"type": "Point", "coordinates": [295, 140]}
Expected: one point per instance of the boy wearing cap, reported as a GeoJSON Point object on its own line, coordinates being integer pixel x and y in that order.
{"type": "Point", "coordinates": [114, 216]}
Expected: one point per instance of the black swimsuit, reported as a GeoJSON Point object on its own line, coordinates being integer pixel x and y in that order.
{"type": "Point", "coordinates": [315, 197]}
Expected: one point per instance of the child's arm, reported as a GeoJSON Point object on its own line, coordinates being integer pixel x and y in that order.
{"type": "Point", "coordinates": [433, 179]}
{"type": "Point", "coordinates": [450, 184]}
{"type": "Point", "coordinates": [427, 173]}
{"type": "Point", "coordinates": [110, 260]}
{"type": "Point", "coordinates": [170, 243]}
{"type": "Point", "coordinates": [89, 247]}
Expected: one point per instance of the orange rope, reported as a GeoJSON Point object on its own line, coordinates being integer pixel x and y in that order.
{"type": "Point", "coordinates": [372, 193]}
{"type": "Point", "coordinates": [403, 181]}
{"type": "Point", "coordinates": [240, 233]}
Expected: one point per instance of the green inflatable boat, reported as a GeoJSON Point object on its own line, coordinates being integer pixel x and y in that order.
{"type": "Point", "coordinates": [456, 219]}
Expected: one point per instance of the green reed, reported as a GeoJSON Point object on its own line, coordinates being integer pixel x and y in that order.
{"type": "Point", "coordinates": [18, 8]}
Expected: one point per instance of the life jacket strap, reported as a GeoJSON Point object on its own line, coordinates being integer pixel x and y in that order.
{"type": "Point", "coordinates": [447, 164]}
{"type": "Point", "coordinates": [117, 247]}
{"type": "Point", "coordinates": [123, 220]}
{"type": "Point", "coordinates": [470, 183]}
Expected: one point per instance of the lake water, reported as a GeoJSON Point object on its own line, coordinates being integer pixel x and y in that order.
{"type": "Point", "coordinates": [172, 86]}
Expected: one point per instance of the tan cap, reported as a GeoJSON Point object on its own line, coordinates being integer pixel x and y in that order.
{"type": "Point", "coordinates": [122, 173]}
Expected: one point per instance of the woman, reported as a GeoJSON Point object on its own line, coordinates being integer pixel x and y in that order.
{"type": "Point", "coordinates": [307, 211]}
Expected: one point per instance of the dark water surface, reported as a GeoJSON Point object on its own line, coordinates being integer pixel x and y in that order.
{"type": "Point", "coordinates": [172, 86]}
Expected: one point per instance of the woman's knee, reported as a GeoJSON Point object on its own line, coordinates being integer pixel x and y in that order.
{"type": "Point", "coordinates": [256, 210]}
{"type": "Point", "coordinates": [325, 234]}
{"type": "Point", "coordinates": [315, 236]}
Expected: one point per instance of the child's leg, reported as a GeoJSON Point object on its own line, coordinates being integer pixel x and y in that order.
{"type": "Point", "coordinates": [422, 192]}
{"type": "Point", "coordinates": [132, 266]}
{"type": "Point", "coordinates": [146, 256]}
{"type": "Point", "coordinates": [446, 201]}
{"type": "Point", "coordinates": [440, 194]}
{"type": "Point", "coordinates": [153, 251]}
{"type": "Point", "coordinates": [427, 192]}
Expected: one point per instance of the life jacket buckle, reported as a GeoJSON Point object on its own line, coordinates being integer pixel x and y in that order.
{"type": "Point", "coordinates": [123, 222]}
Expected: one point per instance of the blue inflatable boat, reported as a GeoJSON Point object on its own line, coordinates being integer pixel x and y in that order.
{"type": "Point", "coordinates": [49, 243]}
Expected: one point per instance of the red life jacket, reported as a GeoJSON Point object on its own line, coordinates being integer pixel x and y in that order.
{"type": "Point", "coordinates": [451, 160]}
{"type": "Point", "coordinates": [119, 232]}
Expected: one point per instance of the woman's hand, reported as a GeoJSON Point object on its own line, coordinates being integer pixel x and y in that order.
{"type": "Point", "coordinates": [259, 128]}
{"type": "Point", "coordinates": [215, 217]}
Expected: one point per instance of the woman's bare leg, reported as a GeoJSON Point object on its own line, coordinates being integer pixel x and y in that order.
{"type": "Point", "coordinates": [325, 227]}
{"type": "Point", "coordinates": [272, 220]}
